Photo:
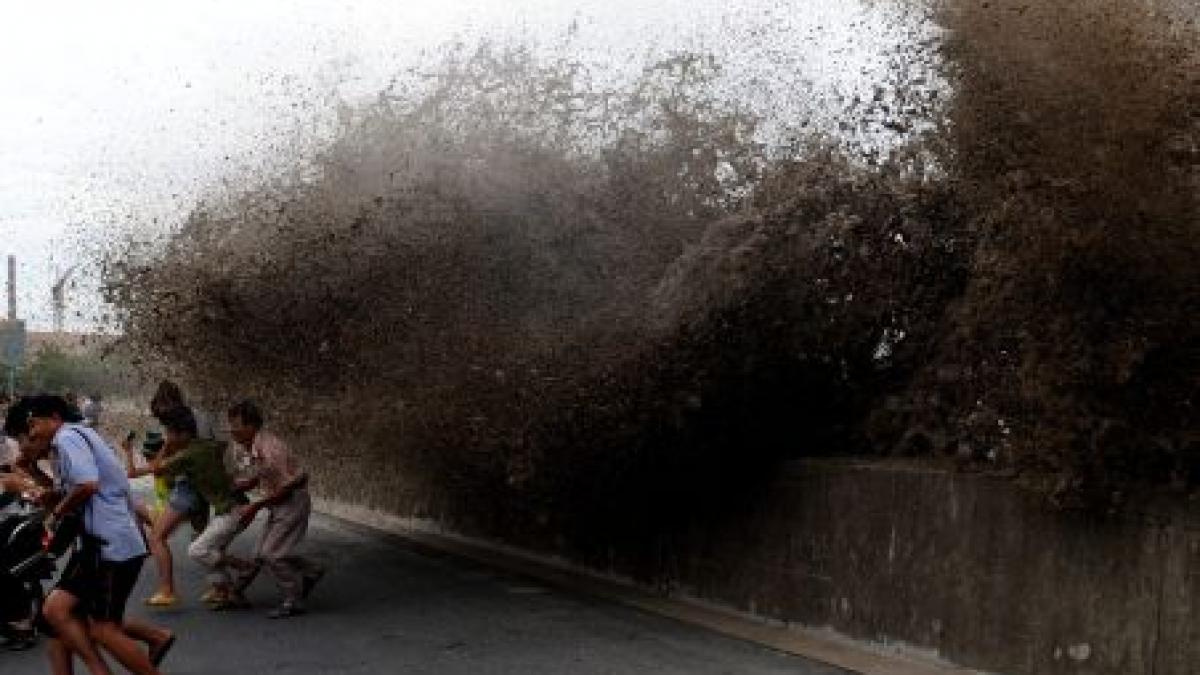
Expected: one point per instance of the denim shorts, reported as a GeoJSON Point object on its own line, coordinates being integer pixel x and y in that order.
{"type": "Point", "coordinates": [183, 497]}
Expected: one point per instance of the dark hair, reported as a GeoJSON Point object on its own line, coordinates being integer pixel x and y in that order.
{"type": "Point", "coordinates": [248, 413]}
{"type": "Point", "coordinates": [48, 405]}
{"type": "Point", "coordinates": [167, 396]}
{"type": "Point", "coordinates": [179, 420]}
{"type": "Point", "coordinates": [16, 422]}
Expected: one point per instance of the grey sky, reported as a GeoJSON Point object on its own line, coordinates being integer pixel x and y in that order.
{"type": "Point", "coordinates": [126, 110]}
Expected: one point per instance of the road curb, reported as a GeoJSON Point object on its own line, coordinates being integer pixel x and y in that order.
{"type": "Point", "coordinates": [822, 645]}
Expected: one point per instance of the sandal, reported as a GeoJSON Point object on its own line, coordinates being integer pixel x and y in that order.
{"type": "Point", "coordinates": [229, 601]}
{"type": "Point", "coordinates": [162, 600]}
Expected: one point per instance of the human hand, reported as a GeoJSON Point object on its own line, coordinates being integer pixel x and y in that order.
{"type": "Point", "coordinates": [11, 482]}
{"type": "Point", "coordinates": [46, 498]}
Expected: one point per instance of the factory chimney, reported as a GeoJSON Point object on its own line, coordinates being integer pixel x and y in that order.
{"type": "Point", "coordinates": [12, 288]}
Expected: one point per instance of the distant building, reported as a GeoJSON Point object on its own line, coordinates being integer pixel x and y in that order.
{"type": "Point", "coordinates": [77, 344]}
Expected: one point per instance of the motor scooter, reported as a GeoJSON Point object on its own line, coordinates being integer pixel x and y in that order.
{"type": "Point", "coordinates": [28, 555]}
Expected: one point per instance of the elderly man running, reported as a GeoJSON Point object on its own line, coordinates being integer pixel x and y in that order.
{"type": "Point", "coordinates": [288, 505]}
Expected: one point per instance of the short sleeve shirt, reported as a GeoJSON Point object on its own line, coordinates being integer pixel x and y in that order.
{"type": "Point", "coordinates": [273, 461]}
{"type": "Point", "coordinates": [84, 457]}
{"type": "Point", "coordinates": [203, 462]}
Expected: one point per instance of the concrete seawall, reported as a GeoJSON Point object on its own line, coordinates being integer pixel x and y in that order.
{"type": "Point", "coordinates": [960, 564]}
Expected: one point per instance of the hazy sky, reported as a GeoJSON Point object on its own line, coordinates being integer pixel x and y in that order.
{"type": "Point", "coordinates": [126, 110]}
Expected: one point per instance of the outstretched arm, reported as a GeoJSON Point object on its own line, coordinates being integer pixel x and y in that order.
{"type": "Point", "coordinates": [132, 470]}
{"type": "Point", "coordinates": [297, 482]}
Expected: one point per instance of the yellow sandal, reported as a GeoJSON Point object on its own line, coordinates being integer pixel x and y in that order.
{"type": "Point", "coordinates": [162, 600]}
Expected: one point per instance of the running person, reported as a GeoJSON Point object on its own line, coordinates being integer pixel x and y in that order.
{"type": "Point", "coordinates": [288, 507]}
{"type": "Point", "coordinates": [87, 606]}
{"type": "Point", "coordinates": [203, 462]}
{"type": "Point", "coordinates": [183, 503]}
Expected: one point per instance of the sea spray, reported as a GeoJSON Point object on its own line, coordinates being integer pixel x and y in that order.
{"type": "Point", "coordinates": [534, 304]}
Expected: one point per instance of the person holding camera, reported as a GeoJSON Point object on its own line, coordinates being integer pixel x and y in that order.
{"type": "Point", "coordinates": [151, 446]}
{"type": "Point", "coordinates": [178, 501]}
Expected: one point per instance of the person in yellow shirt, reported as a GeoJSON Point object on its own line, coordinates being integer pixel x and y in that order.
{"type": "Point", "coordinates": [162, 487]}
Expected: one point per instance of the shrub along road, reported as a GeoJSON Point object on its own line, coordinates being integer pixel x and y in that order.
{"type": "Point", "coordinates": [389, 607]}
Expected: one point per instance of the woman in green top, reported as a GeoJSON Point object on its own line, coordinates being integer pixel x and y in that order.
{"type": "Point", "coordinates": [182, 503]}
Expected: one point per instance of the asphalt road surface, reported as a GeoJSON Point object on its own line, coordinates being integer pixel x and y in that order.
{"type": "Point", "coordinates": [387, 606]}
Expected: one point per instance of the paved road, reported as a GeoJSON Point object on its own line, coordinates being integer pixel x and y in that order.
{"type": "Point", "coordinates": [388, 607]}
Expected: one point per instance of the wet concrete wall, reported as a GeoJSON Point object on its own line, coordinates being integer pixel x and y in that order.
{"type": "Point", "coordinates": [966, 565]}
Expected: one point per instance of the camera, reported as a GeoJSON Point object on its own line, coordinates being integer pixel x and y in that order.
{"type": "Point", "coordinates": [152, 445]}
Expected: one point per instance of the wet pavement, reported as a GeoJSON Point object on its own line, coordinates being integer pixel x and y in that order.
{"type": "Point", "coordinates": [388, 606]}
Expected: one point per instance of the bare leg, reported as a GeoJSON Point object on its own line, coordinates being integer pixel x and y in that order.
{"type": "Point", "coordinates": [145, 632]}
{"type": "Point", "coordinates": [112, 637]}
{"type": "Point", "coordinates": [71, 632]}
{"type": "Point", "coordinates": [160, 548]}
{"type": "Point", "coordinates": [143, 514]}
{"type": "Point", "coordinates": [60, 657]}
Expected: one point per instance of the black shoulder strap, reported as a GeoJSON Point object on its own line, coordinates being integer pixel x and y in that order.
{"type": "Point", "coordinates": [128, 493]}
{"type": "Point", "coordinates": [87, 440]}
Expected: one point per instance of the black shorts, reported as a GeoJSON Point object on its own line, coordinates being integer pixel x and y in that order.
{"type": "Point", "coordinates": [15, 601]}
{"type": "Point", "coordinates": [103, 586]}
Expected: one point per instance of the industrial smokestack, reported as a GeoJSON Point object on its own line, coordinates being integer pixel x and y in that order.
{"type": "Point", "coordinates": [12, 288]}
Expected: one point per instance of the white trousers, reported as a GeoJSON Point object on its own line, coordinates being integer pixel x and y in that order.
{"type": "Point", "coordinates": [209, 548]}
